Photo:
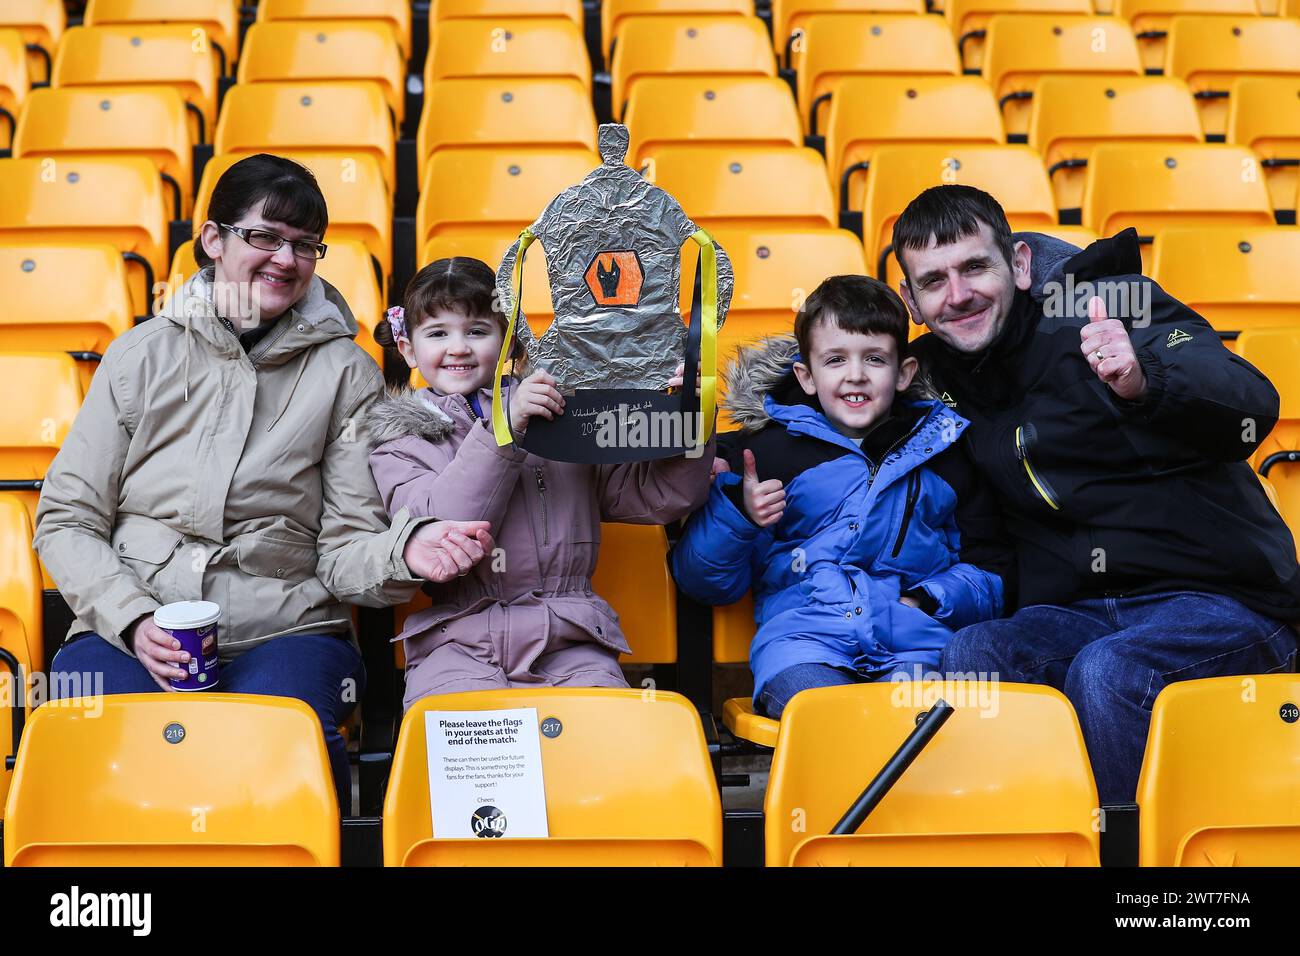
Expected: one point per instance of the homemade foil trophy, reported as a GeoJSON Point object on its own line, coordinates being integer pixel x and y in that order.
{"type": "Point", "coordinates": [613, 248]}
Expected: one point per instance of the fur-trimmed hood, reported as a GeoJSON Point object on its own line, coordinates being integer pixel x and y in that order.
{"type": "Point", "coordinates": [404, 412]}
{"type": "Point", "coordinates": [757, 370]}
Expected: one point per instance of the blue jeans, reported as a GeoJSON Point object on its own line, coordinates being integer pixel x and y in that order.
{"type": "Point", "coordinates": [1112, 656]}
{"type": "Point", "coordinates": [322, 670]}
{"type": "Point", "coordinates": [776, 695]}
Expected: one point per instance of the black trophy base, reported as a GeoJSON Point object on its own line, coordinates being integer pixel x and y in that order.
{"type": "Point", "coordinates": [615, 425]}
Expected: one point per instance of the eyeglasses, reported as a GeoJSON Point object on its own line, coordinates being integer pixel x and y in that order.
{"type": "Point", "coordinates": [270, 242]}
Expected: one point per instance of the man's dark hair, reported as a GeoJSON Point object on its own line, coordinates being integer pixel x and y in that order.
{"type": "Point", "coordinates": [856, 304]}
{"type": "Point", "coordinates": [949, 213]}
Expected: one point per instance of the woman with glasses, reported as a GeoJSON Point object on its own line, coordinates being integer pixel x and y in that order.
{"type": "Point", "coordinates": [218, 457]}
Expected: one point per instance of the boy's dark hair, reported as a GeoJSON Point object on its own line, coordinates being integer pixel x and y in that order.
{"type": "Point", "coordinates": [948, 213]}
{"type": "Point", "coordinates": [459, 284]}
{"type": "Point", "coordinates": [856, 304]}
{"type": "Point", "coordinates": [291, 192]}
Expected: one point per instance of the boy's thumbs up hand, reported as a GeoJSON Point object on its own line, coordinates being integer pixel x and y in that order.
{"type": "Point", "coordinates": [764, 500]}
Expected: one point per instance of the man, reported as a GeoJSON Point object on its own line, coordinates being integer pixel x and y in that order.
{"type": "Point", "coordinates": [1147, 549]}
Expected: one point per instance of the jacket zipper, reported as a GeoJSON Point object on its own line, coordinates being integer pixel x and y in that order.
{"type": "Point", "coordinates": [1022, 452]}
{"type": "Point", "coordinates": [913, 490]}
{"type": "Point", "coordinates": [262, 354]}
{"type": "Point", "coordinates": [872, 469]}
{"type": "Point", "coordinates": [541, 493]}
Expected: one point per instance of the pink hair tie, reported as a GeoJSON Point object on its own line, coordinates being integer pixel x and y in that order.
{"type": "Point", "coordinates": [397, 320]}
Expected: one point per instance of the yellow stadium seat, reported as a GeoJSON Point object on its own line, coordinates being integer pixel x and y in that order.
{"type": "Point", "coordinates": [1276, 353]}
{"type": "Point", "coordinates": [1150, 21]}
{"type": "Point", "coordinates": [1013, 175]}
{"type": "Point", "coordinates": [76, 800]}
{"type": "Point", "coordinates": [776, 270]}
{"type": "Point", "coordinates": [40, 395]}
{"type": "Point", "coordinates": [41, 23]}
{"type": "Point", "coordinates": [1236, 277]}
{"type": "Point", "coordinates": [687, 46]}
{"type": "Point", "coordinates": [113, 121]}
{"type": "Point", "coordinates": [494, 191]}
{"type": "Point", "coordinates": [1153, 186]}
{"type": "Point", "coordinates": [1005, 782]}
{"type": "Point", "coordinates": [1020, 49]}
{"type": "Point", "coordinates": [628, 783]}
{"type": "Point", "coordinates": [747, 187]}
{"type": "Point", "coordinates": [491, 249]}
{"type": "Point", "coordinates": [632, 575]}
{"type": "Point", "coordinates": [1072, 114]}
{"type": "Point", "coordinates": [710, 111]}
{"type": "Point", "coordinates": [788, 17]}
{"type": "Point", "coordinates": [43, 310]}
{"type": "Point", "coordinates": [395, 13]}
{"type": "Point", "coordinates": [356, 194]}
{"type": "Point", "coordinates": [507, 48]}
{"type": "Point", "coordinates": [347, 266]}
{"type": "Point", "coordinates": [347, 119]}
{"type": "Point", "coordinates": [873, 111]}
{"type": "Point", "coordinates": [1218, 777]}
{"type": "Point", "coordinates": [969, 21]}
{"type": "Point", "coordinates": [219, 19]}
{"type": "Point", "coordinates": [148, 55]}
{"type": "Point", "coordinates": [733, 630]}
{"type": "Point", "coordinates": [1210, 52]}
{"type": "Point", "coordinates": [21, 647]}
{"type": "Point", "coordinates": [504, 111]}
{"type": "Point", "coordinates": [1264, 114]}
{"type": "Point", "coordinates": [321, 51]}
{"type": "Point", "coordinates": [14, 83]}
{"type": "Point", "coordinates": [440, 10]}
{"type": "Point", "coordinates": [836, 46]}
{"type": "Point", "coordinates": [118, 201]}
{"type": "Point", "coordinates": [614, 12]}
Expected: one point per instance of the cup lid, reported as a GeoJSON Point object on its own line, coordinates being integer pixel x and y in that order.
{"type": "Point", "coordinates": [187, 614]}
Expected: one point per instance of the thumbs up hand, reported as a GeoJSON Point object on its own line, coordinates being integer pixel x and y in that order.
{"type": "Point", "coordinates": [764, 500]}
{"type": "Point", "coordinates": [1106, 344]}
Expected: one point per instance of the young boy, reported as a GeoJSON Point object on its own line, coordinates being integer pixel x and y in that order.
{"type": "Point", "coordinates": [851, 509]}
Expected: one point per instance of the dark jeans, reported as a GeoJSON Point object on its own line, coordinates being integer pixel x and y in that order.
{"type": "Point", "coordinates": [322, 670]}
{"type": "Point", "coordinates": [1112, 656]}
{"type": "Point", "coordinates": [776, 695]}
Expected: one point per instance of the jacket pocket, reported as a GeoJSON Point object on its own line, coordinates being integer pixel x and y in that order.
{"type": "Point", "coordinates": [145, 545]}
{"type": "Point", "coordinates": [590, 618]}
{"type": "Point", "coordinates": [270, 557]}
{"type": "Point", "coordinates": [1026, 437]}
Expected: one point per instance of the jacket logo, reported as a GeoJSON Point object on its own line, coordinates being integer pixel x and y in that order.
{"type": "Point", "coordinates": [948, 400]}
{"type": "Point", "coordinates": [1177, 337]}
{"type": "Point", "coordinates": [614, 277]}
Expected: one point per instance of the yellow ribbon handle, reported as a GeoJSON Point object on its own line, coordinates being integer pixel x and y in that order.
{"type": "Point", "coordinates": [500, 420]}
{"type": "Point", "coordinates": [708, 332]}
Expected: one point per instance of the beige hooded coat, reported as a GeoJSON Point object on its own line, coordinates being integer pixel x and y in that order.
{"type": "Point", "coordinates": [195, 471]}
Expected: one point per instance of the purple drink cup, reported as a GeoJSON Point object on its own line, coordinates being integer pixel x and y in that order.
{"type": "Point", "coordinates": [194, 625]}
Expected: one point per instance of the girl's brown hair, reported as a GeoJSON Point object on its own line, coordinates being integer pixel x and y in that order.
{"type": "Point", "coordinates": [459, 284]}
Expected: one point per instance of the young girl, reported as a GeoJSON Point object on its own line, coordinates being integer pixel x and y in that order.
{"type": "Point", "coordinates": [526, 614]}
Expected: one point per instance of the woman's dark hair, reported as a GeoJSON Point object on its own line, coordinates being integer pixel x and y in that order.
{"type": "Point", "coordinates": [459, 284]}
{"type": "Point", "coordinates": [290, 190]}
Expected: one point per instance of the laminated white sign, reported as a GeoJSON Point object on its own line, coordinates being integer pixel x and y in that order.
{"type": "Point", "coordinates": [485, 773]}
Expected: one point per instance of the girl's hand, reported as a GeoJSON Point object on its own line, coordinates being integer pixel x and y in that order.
{"type": "Point", "coordinates": [535, 395]}
{"type": "Point", "coordinates": [159, 652]}
{"type": "Point", "coordinates": [441, 550]}
{"type": "Point", "coordinates": [679, 373]}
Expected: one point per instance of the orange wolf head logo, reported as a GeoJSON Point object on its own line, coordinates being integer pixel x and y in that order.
{"type": "Point", "coordinates": [614, 277]}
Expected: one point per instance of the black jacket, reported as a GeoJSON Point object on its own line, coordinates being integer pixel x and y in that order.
{"type": "Point", "coordinates": [1107, 497]}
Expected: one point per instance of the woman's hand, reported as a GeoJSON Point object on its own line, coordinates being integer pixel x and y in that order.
{"type": "Point", "coordinates": [535, 395]}
{"type": "Point", "coordinates": [159, 652]}
{"type": "Point", "coordinates": [441, 550]}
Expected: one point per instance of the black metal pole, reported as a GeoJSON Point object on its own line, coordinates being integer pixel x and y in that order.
{"type": "Point", "coordinates": [884, 781]}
